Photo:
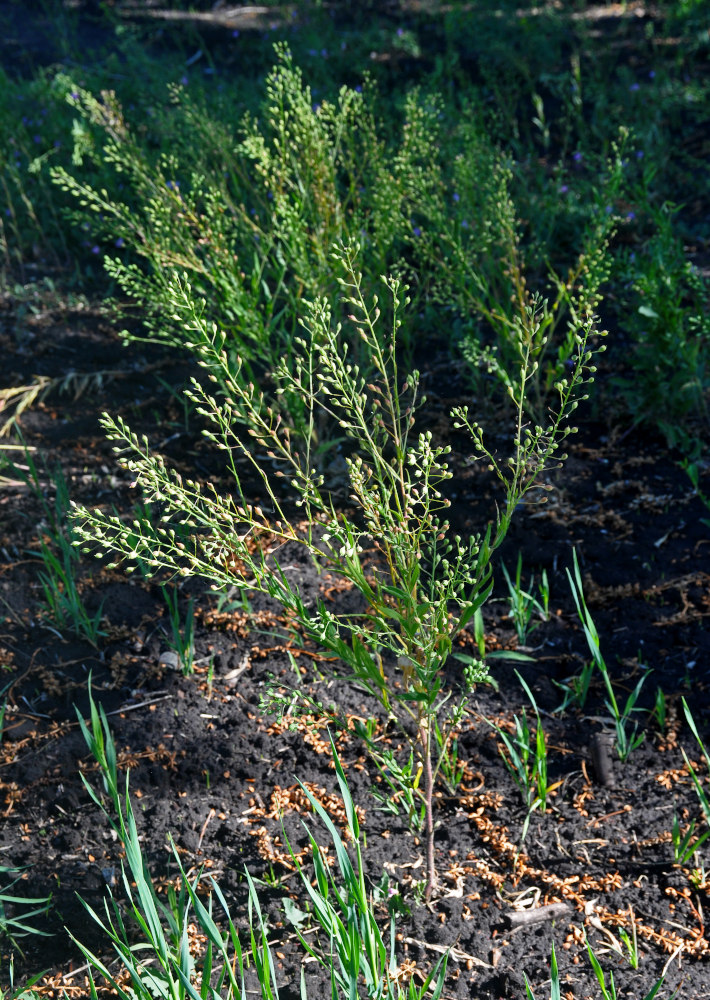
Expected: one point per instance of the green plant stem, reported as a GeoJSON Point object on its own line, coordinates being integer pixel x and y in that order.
{"type": "Point", "coordinates": [425, 737]}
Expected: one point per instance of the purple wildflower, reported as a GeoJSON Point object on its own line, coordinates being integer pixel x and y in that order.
{"type": "Point", "coordinates": [95, 249]}
{"type": "Point", "coordinates": [417, 231]}
{"type": "Point", "coordinates": [184, 80]}
{"type": "Point", "coordinates": [577, 156]}
{"type": "Point", "coordinates": [564, 188]}
{"type": "Point", "coordinates": [120, 242]}
{"type": "Point", "coordinates": [235, 33]}
{"type": "Point", "coordinates": [456, 196]}
{"type": "Point", "coordinates": [635, 86]}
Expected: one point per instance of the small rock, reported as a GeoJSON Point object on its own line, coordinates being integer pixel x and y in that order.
{"type": "Point", "coordinates": [169, 659]}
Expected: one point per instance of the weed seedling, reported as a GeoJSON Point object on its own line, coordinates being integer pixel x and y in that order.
{"type": "Point", "coordinates": [525, 757]}
{"type": "Point", "coordinates": [608, 992]}
{"type": "Point", "coordinates": [630, 942]}
{"type": "Point", "coordinates": [693, 473]}
{"type": "Point", "coordinates": [684, 847]}
{"type": "Point", "coordinates": [182, 637]}
{"type": "Point", "coordinates": [18, 921]}
{"type": "Point", "coordinates": [576, 687]}
{"type": "Point", "coordinates": [63, 603]}
{"type": "Point", "coordinates": [700, 790]}
{"type": "Point", "coordinates": [479, 633]}
{"type": "Point", "coordinates": [659, 712]}
{"type": "Point", "coordinates": [452, 769]}
{"type": "Point", "coordinates": [523, 604]}
{"type": "Point", "coordinates": [354, 954]}
{"type": "Point", "coordinates": [627, 736]}
{"type": "Point", "coordinates": [402, 785]}
{"type": "Point", "coordinates": [555, 991]}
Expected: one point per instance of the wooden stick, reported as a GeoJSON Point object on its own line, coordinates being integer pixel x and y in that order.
{"type": "Point", "coordinates": [537, 914]}
{"type": "Point", "coordinates": [455, 953]}
{"type": "Point", "coordinates": [602, 759]}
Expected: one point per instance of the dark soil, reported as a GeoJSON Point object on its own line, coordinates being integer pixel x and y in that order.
{"type": "Point", "coordinates": [210, 769]}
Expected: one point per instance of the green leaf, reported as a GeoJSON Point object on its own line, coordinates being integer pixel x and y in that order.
{"type": "Point", "coordinates": [294, 914]}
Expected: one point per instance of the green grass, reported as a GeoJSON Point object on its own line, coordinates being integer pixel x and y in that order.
{"type": "Point", "coordinates": [523, 193]}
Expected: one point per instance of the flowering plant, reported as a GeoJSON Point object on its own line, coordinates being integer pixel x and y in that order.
{"type": "Point", "coordinates": [420, 586]}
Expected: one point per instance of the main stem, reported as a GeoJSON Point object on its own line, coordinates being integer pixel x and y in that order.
{"type": "Point", "coordinates": [425, 738]}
